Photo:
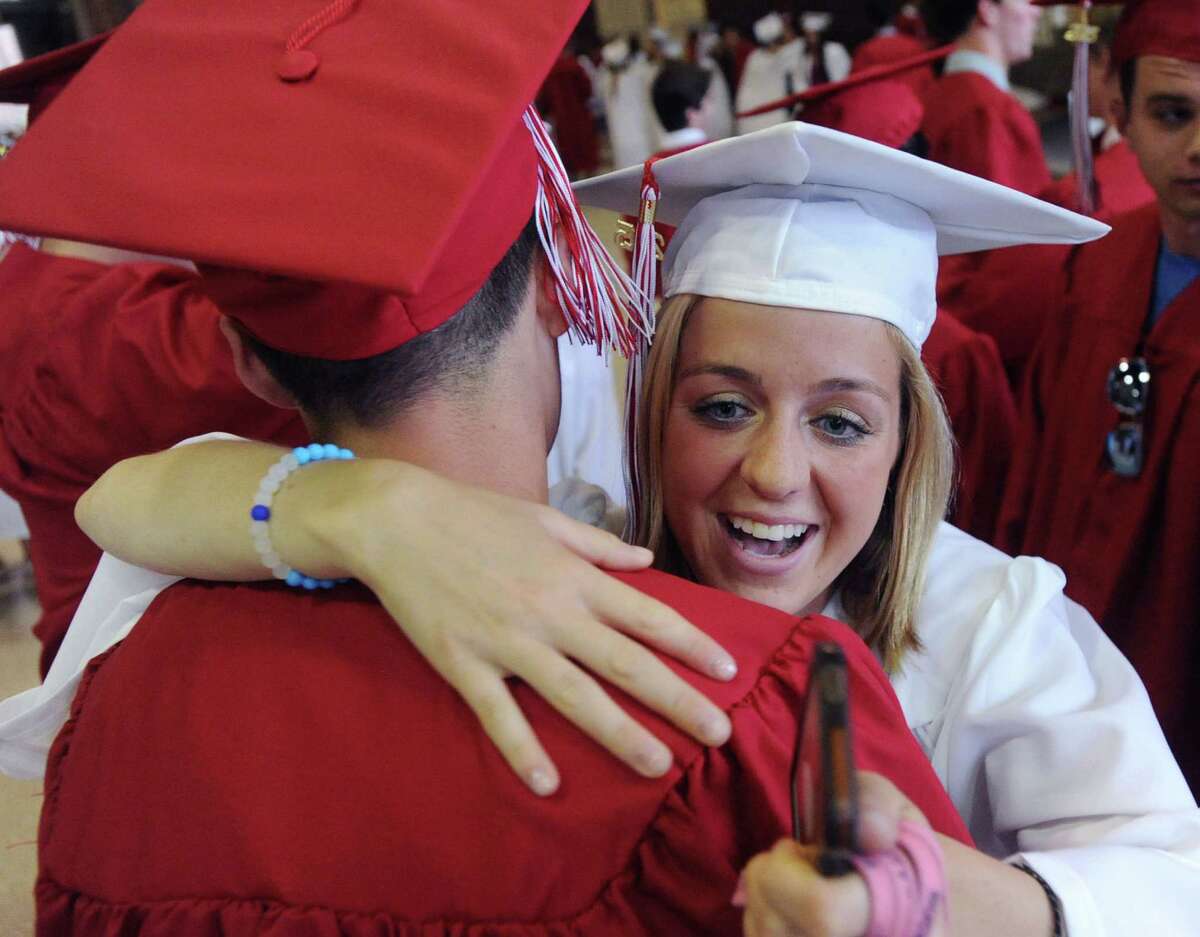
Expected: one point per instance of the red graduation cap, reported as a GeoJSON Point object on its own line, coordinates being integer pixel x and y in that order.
{"type": "Point", "coordinates": [899, 47]}
{"type": "Point", "coordinates": [877, 103]}
{"type": "Point", "coordinates": [896, 69]}
{"type": "Point", "coordinates": [346, 172]}
{"type": "Point", "coordinates": [1158, 27]}
{"type": "Point", "coordinates": [38, 81]}
{"type": "Point", "coordinates": [1146, 27]}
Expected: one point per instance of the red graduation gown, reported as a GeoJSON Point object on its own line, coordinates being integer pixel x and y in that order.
{"type": "Point", "coordinates": [1128, 545]}
{"type": "Point", "coordinates": [254, 760]}
{"type": "Point", "coordinates": [966, 368]}
{"type": "Point", "coordinates": [99, 363]}
{"type": "Point", "coordinates": [1009, 293]}
{"type": "Point", "coordinates": [1006, 294]}
{"type": "Point", "coordinates": [972, 125]}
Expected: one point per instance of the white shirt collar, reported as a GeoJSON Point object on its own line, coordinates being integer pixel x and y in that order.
{"type": "Point", "coordinates": [685, 136]}
{"type": "Point", "coordinates": [967, 60]}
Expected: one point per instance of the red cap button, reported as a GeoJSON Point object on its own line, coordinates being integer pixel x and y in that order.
{"type": "Point", "coordinates": [297, 65]}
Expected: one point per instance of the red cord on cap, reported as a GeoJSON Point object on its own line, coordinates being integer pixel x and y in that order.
{"type": "Point", "coordinates": [299, 63]}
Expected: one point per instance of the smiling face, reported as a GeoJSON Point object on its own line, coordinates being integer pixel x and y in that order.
{"type": "Point", "coordinates": [780, 439]}
{"type": "Point", "coordinates": [1163, 128]}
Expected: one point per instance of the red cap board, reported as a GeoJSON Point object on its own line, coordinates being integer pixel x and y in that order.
{"type": "Point", "coordinates": [886, 50]}
{"type": "Point", "coordinates": [887, 112]}
{"type": "Point", "coordinates": [876, 103]}
{"type": "Point", "coordinates": [1158, 27]}
{"type": "Point", "coordinates": [893, 70]}
{"type": "Point", "coordinates": [38, 81]}
{"type": "Point", "coordinates": [375, 149]}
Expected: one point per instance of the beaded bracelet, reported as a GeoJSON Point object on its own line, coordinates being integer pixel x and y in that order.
{"type": "Point", "coordinates": [260, 512]}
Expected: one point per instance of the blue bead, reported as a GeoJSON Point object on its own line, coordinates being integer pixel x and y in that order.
{"type": "Point", "coordinates": [308, 582]}
{"type": "Point", "coordinates": [260, 512]}
{"type": "Point", "coordinates": [345, 454]}
{"type": "Point", "coordinates": [326, 583]}
{"type": "Point", "coordinates": [331, 451]}
{"type": "Point", "coordinates": [302, 455]}
{"type": "Point", "coordinates": [316, 451]}
{"type": "Point", "coordinates": [294, 578]}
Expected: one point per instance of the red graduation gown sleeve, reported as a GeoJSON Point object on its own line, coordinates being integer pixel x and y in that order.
{"type": "Point", "coordinates": [972, 125]}
{"type": "Point", "coordinates": [257, 760]}
{"type": "Point", "coordinates": [1006, 294]}
{"type": "Point", "coordinates": [966, 369]}
{"type": "Point", "coordinates": [1127, 545]}
{"type": "Point", "coordinates": [101, 363]}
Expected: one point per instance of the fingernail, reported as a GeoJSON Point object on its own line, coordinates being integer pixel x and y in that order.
{"type": "Point", "coordinates": [724, 668]}
{"type": "Point", "coordinates": [542, 782]}
{"type": "Point", "coordinates": [654, 762]}
{"type": "Point", "coordinates": [715, 730]}
{"type": "Point", "coordinates": [739, 894]}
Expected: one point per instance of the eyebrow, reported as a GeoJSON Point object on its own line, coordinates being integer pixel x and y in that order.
{"type": "Point", "coordinates": [833, 385]}
{"type": "Point", "coordinates": [1168, 98]}
{"type": "Point", "coordinates": [723, 370]}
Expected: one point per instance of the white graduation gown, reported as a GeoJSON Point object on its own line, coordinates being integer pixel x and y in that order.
{"type": "Point", "coordinates": [768, 75]}
{"type": "Point", "coordinates": [1046, 741]}
{"type": "Point", "coordinates": [632, 127]}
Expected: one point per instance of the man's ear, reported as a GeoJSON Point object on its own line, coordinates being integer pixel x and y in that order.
{"type": "Point", "coordinates": [549, 311]}
{"type": "Point", "coordinates": [985, 12]}
{"type": "Point", "coordinates": [251, 370]}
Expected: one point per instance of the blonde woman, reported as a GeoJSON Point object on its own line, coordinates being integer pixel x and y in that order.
{"type": "Point", "coordinates": [793, 451]}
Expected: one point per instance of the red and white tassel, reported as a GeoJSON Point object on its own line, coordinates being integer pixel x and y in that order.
{"type": "Point", "coordinates": [1082, 34]}
{"type": "Point", "coordinates": [602, 305]}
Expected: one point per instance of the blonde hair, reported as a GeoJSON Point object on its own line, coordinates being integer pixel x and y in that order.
{"type": "Point", "coordinates": [881, 587]}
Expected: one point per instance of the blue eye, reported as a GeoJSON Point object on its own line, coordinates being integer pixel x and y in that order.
{"type": "Point", "coordinates": [722, 411]}
{"type": "Point", "coordinates": [841, 429]}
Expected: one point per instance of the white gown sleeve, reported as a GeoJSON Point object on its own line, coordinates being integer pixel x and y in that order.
{"type": "Point", "coordinates": [588, 443]}
{"type": "Point", "coordinates": [1046, 740]}
{"type": "Point", "coordinates": [114, 601]}
{"type": "Point", "coordinates": [837, 61]}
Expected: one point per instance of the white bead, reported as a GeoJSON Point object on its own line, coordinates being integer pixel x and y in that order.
{"type": "Point", "coordinates": [279, 571]}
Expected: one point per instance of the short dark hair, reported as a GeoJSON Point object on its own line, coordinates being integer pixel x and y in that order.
{"type": "Point", "coordinates": [947, 20]}
{"type": "Point", "coordinates": [371, 392]}
{"type": "Point", "coordinates": [679, 87]}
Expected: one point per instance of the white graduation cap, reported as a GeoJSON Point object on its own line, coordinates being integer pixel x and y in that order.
{"type": "Point", "coordinates": [815, 22]}
{"type": "Point", "coordinates": [768, 28]}
{"type": "Point", "coordinates": [809, 218]}
{"type": "Point", "coordinates": [616, 52]}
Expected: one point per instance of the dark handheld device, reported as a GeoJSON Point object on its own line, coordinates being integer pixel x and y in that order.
{"type": "Point", "coordinates": [824, 785]}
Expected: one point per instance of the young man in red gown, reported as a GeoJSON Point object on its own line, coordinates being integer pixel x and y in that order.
{"type": "Point", "coordinates": [973, 121]}
{"type": "Point", "coordinates": [1105, 473]}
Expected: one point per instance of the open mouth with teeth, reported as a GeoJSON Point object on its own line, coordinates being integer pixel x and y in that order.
{"type": "Point", "coordinates": [766, 539]}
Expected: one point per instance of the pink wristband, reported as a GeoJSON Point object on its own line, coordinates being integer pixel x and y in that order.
{"type": "Point", "coordinates": [906, 885]}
